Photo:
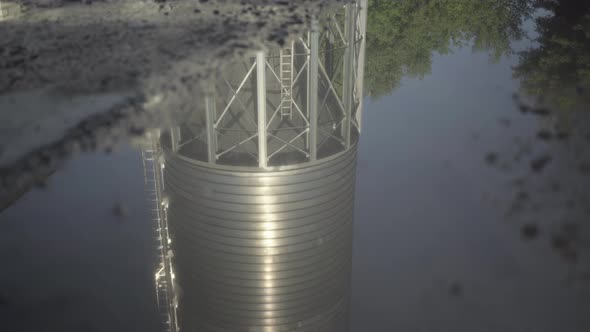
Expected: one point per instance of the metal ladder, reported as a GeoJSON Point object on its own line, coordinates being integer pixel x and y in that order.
{"type": "Point", "coordinates": [286, 73]}
{"type": "Point", "coordinates": [165, 295]}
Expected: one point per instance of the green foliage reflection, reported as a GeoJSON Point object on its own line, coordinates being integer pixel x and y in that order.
{"type": "Point", "coordinates": [403, 35]}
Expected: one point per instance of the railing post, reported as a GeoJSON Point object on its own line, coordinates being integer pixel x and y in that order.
{"type": "Point", "coordinates": [261, 108]}
{"type": "Point", "coordinates": [348, 86]}
{"type": "Point", "coordinates": [174, 138]}
{"type": "Point", "coordinates": [313, 89]}
{"type": "Point", "coordinates": [211, 131]}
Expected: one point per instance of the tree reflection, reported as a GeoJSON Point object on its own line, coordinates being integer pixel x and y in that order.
{"type": "Point", "coordinates": [559, 68]}
{"type": "Point", "coordinates": [403, 35]}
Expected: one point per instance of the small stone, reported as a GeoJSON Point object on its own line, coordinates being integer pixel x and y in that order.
{"type": "Point", "coordinates": [529, 231]}
{"type": "Point", "coordinates": [544, 135]}
{"type": "Point", "coordinates": [523, 108]}
{"type": "Point", "coordinates": [456, 289]}
{"type": "Point", "coordinates": [538, 164]}
{"type": "Point", "coordinates": [540, 111]}
{"type": "Point", "coordinates": [523, 196]}
{"type": "Point", "coordinates": [491, 158]}
{"type": "Point", "coordinates": [563, 135]}
{"type": "Point", "coordinates": [119, 211]}
{"type": "Point", "coordinates": [559, 242]}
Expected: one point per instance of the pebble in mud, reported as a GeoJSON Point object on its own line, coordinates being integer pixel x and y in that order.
{"type": "Point", "coordinates": [563, 135]}
{"type": "Point", "coordinates": [120, 211]}
{"type": "Point", "coordinates": [559, 242]}
{"type": "Point", "coordinates": [522, 196]}
{"type": "Point", "coordinates": [539, 163]}
{"type": "Point", "coordinates": [545, 135]}
{"type": "Point", "coordinates": [529, 231]}
{"type": "Point", "coordinates": [491, 158]}
{"type": "Point", "coordinates": [456, 289]}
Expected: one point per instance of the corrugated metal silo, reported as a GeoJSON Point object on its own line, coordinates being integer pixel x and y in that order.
{"type": "Point", "coordinates": [256, 189]}
{"type": "Point", "coordinates": [262, 250]}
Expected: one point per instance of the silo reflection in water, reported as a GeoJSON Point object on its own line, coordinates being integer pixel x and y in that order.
{"type": "Point", "coordinates": [262, 251]}
{"type": "Point", "coordinates": [257, 190]}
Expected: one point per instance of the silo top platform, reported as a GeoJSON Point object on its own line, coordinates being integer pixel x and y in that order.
{"type": "Point", "coordinates": [280, 107]}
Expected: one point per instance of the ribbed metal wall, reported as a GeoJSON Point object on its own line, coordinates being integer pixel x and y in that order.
{"type": "Point", "coordinates": [258, 250]}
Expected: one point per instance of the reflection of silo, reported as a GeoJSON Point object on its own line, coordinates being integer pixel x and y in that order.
{"type": "Point", "coordinates": [259, 188]}
{"type": "Point", "coordinates": [257, 249]}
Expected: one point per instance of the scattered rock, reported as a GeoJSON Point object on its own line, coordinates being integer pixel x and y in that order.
{"type": "Point", "coordinates": [523, 108]}
{"type": "Point", "coordinates": [538, 164]}
{"type": "Point", "coordinates": [491, 158]}
{"type": "Point", "coordinates": [456, 289]}
{"type": "Point", "coordinates": [529, 231]}
{"type": "Point", "coordinates": [119, 211]}
{"type": "Point", "coordinates": [559, 242]}
{"type": "Point", "coordinates": [540, 111]}
{"type": "Point", "coordinates": [522, 196]}
{"type": "Point", "coordinates": [563, 135]}
{"type": "Point", "coordinates": [545, 135]}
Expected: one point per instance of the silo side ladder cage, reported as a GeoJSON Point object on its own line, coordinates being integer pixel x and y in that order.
{"type": "Point", "coordinates": [286, 73]}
